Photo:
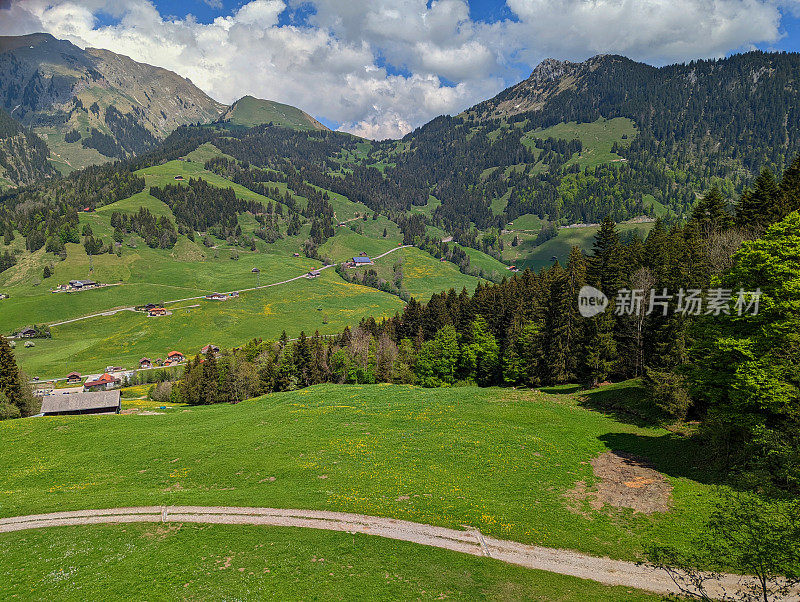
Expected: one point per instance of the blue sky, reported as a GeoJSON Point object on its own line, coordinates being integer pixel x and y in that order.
{"type": "Point", "coordinates": [379, 68]}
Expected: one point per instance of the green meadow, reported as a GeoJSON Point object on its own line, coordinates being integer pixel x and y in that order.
{"type": "Point", "coordinates": [327, 304]}
{"type": "Point", "coordinates": [220, 562]}
{"type": "Point", "coordinates": [597, 138]}
{"type": "Point", "coordinates": [503, 461]}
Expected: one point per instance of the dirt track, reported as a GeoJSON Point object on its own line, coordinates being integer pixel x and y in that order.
{"type": "Point", "coordinates": [468, 541]}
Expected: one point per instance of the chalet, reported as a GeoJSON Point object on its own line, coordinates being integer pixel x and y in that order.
{"type": "Point", "coordinates": [157, 311]}
{"type": "Point", "coordinates": [361, 260]}
{"type": "Point", "coordinates": [71, 404]}
{"type": "Point", "coordinates": [73, 378]}
{"type": "Point", "coordinates": [211, 348]}
{"type": "Point", "coordinates": [150, 306]}
{"type": "Point", "coordinates": [81, 284]}
{"type": "Point", "coordinates": [313, 274]}
{"type": "Point", "coordinates": [145, 363]}
{"type": "Point", "coordinates": [217, 297]}
{"type": "Point", "coordinates": [179, 178]}
{"type": "Point", "coordinates": [175, 357]}
{"type": "Point", "coordinates": [27, 333]}
{"type": "Point", "coordinates": [106, 381]}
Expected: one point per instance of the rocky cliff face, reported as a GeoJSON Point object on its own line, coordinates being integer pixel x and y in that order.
{"type": "Point", "coordinates": [92, 105]}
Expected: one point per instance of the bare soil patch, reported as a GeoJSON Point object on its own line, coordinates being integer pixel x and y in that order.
{"type": "Point", "coordinates": [625, 481]}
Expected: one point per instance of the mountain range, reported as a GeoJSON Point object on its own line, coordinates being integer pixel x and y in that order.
{"type": "Point", "coordinates": [92, 105]}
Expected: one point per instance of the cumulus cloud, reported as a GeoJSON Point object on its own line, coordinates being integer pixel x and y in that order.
{"type": "Point", "coordinates": [382, 67]}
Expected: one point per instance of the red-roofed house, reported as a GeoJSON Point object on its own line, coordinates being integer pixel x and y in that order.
{"type": "Point", "coordinates": [175, 356]}
{"type": "Point", "coordinates": [209, 347]}
{"type": "Point", "coordinates": [106, 381]}
{"type": "Point", "coordinates": [145, 363]}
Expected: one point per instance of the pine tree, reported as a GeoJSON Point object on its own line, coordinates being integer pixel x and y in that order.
{"type": "Point", "coordinates": [790, 189]}
{"type": "Point", "coordinates": [10, 380]}
{"type": "Point", "coordinates": [711, 214]}
{"type": "Point", "coordinates": [760, 206]}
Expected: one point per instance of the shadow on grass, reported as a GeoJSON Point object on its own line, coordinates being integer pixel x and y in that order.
{"type": "Point", "coordinates": [626, 402]}
{"type": "Point", "coordinates": [670, 454]}
{"type": "Point", "coordinates": [561, 389]}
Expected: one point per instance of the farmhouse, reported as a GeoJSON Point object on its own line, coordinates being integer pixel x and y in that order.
{"type": "Point", "coordinates": [82, 284]}
{"type": "Point", "coordinates": [145, 363]}
{"type": "Point", "coordinates": [69, 404]}
{"type": "Point", "coordinates": [175, 357]}
{"type": "Point", "coordinates": [211, 348]}
{"type": "Point", "coordinates": [157, 311]}
{"type": "Point", "coordinates": [313, 274]}
{"type": "Point", "coordinates": [73, 377]}
{"type": "Point", "coordinates": [106, 381]}
{"type": "Point", "coordinates": [361, 260]}
{"type": "Point", "coordinates": [179, 178]}
{"type": "Point", "coordinates": [217, 297]}
{"type": "Point", "coordinates": [27, 333]}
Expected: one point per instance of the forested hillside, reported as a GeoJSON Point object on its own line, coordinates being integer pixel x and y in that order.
{"type": "Point", "coordinates": [23, 155]}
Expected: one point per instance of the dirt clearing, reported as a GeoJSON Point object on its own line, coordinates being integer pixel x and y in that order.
{"type": "Point", "coordinates": [625, 481]}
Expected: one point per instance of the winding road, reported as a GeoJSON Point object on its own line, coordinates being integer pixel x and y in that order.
{"type": "Point", "coordinates": [467, 541]}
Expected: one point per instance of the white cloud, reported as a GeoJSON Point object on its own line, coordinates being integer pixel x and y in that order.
{"type": "Point", "coordinates": [380, 67]}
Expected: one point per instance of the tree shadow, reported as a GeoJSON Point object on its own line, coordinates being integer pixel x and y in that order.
{"type": "Point", "coordinates": [561, 389]}
{"type": "Point", "coordinates": [625, 402]}
{"type": "Point", "coordinates": [670, 454]}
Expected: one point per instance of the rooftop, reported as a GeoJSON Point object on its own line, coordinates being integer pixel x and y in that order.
{"type": "Point", "coordinates": [81, 402]}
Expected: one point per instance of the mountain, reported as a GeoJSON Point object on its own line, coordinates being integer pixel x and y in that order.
{"type": "Point", "coordinates": [741, 111]}
{"type": "Point", "coordinates": [249, 112]}
{"type": "Point", "coordinates": [93, 105]}
{"type": "Point", "coordinates": [23, 155]}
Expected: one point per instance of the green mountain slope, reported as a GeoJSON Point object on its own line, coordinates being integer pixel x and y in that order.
{"type": "Point", "coordinates": [249, 111]}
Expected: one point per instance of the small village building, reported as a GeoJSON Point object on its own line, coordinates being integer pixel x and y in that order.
{"type": "Point", "coordinates": [73, 377]}
{"type": "Point", "coordinates": [217, 297]}
{"type": "Point", "coordinates": [175, 357]}
{"type": "Point", "coordinates": [71, 404]}
{"type": "Point", "coordinates": [145, 363]}
{"type": "Point", "coordinates": [361, 260]}
{"type": "Point", "coordinates": [255, 271]}
{"type": "Point", "coordinates": [81, 284]}
{"type": "Point", "coordinates": [156, 312]}
{"type": "Point", "coordinates": [313, 274]}
{"type": "Point", "coordinates": [150, 306]}
{"type": "Point", "coordinates": [179, 178]}
{"type": "Point", "coordinates": [106, 381]}
{"type": "Point", "coordinates": [211, 348]}
{"type": "Point", "coordinates": [27, 333]}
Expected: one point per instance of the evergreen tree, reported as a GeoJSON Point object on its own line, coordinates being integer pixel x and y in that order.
{"type": "Point", "coordinates": [760, 206]}
{"type": "Point", "coordinates": [10, 379]}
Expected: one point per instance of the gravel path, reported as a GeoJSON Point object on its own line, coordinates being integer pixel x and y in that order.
{"type": "Point", "coordinates": [468, 541]}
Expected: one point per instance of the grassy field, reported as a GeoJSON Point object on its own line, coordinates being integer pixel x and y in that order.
{"type": "Point", "coordinates": [222, 562]}
{"type": "Point", "coordinates": [502, 461]}
{"type": "Point", "coordinates": [597, 138]}
{"type": "Point", "coordinates": [527, 255]}
{"type": "Point", "coordinates": [123, 338]}
{"type": "Point", "coordinates": [423, 274]}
